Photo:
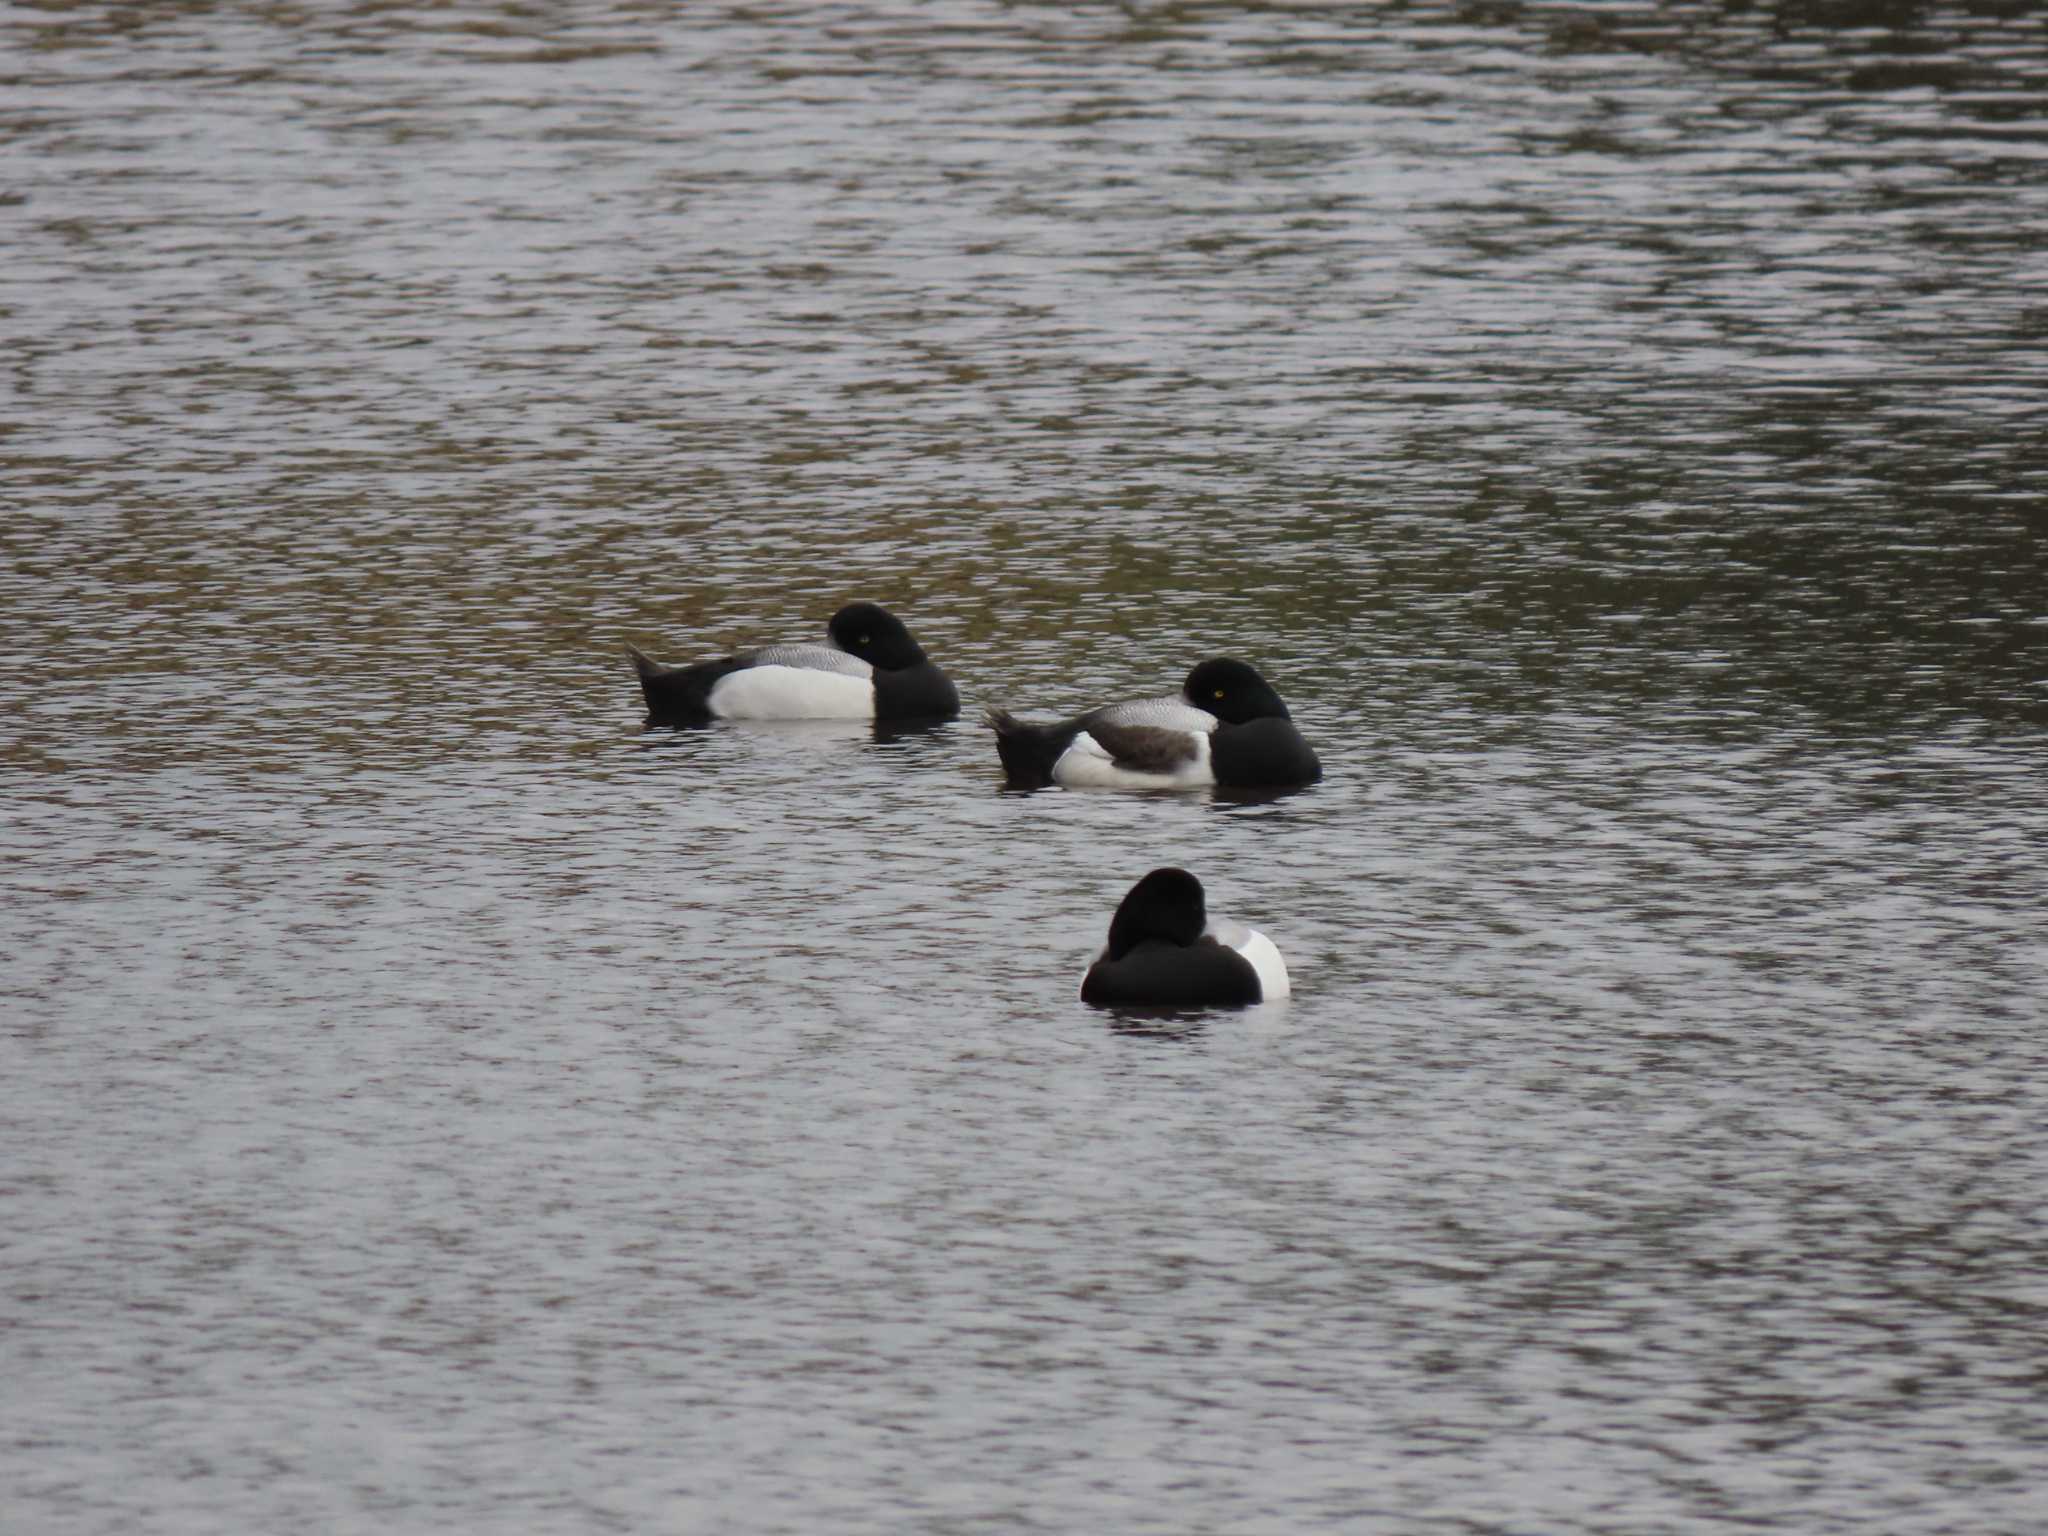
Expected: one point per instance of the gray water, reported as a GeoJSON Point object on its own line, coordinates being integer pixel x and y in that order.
{"type": "Point", "coordinates": [431, 1101]}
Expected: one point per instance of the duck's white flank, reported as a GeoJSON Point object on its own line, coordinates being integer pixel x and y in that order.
{"type": "Point", "coordinates": [792, 693]}
{"type": "Point", "coordinates": [1087, 765]}
{"type": "Point", "coordinates": [1263, 953]}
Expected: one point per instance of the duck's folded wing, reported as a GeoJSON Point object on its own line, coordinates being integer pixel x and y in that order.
{"type": "Point", "coordinates": [1171, 713]}
{"type": "Point", "coordinates": [1140, 748]}
{"type": "Point", "coordinates": [812, 658]}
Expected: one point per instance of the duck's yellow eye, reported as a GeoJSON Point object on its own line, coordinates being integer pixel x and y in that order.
{"type": "Point", "coordinates": [1219, 693]}
{"type": "Point", "coordinates": [863, 640]}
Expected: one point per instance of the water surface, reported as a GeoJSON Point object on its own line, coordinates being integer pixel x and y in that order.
{"type": "Point", "coordinates": [432, 1101]}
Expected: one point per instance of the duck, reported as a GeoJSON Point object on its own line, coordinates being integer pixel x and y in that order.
{"type": "Point", "coordinates": [870, 669]}
{"type": "Point", "coordinates": [1165, 951]}
{"type": "Point", "coordinates": [1226, 727]}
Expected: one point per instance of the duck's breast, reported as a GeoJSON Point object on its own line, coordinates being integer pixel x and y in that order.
{"type": "Point", "coordinates": [1261, 951]}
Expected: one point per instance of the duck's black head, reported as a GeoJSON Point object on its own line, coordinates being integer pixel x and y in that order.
{"type": "Point", "coordinates": [1233, 692]}
{"type": "Point", "coordinates": [875, 635]}
{"type": "Point", "coordinates": [1167, 904]}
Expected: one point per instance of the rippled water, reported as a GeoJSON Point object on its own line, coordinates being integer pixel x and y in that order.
{"type": "Point", "coordinates": [432, 1101]}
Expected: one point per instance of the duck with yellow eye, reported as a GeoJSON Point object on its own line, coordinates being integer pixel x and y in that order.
{"type": "Point", "coordinates": [870, 668]}
{"type": "Point", "coordinates": [1225, 727]}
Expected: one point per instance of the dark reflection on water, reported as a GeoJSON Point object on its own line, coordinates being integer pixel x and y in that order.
{"type": "Point", "coordinates": [432, 1098]}
{"type": "Point", "coordinates": [1161, 1024]}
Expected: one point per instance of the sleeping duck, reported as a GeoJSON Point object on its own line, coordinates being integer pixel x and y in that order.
{"type": "Point", "coordinates": [1165, 951]}
{"type": "Point", "coordinates": [1227, 726]}
{"type": "Point", "coordinates": [871, 669]}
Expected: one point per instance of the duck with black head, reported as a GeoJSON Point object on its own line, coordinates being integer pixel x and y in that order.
{"type": "Point", "coordinates": [1165, 951]}
{"type": "Point", "coordinates": [1227, 726]}
{"type": "Point", "coordinates": [871, 668]}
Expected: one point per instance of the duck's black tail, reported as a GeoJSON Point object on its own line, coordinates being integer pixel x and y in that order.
{"type": "Point", "coordinates": [678, 695]}
{"type": "Point", "coordinates": [1028, 751]}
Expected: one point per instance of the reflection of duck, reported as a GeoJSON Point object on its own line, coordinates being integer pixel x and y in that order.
{"type": "Point", "coordinates": [1227, 727]}
{"type": "Point", "coordinates": [1165, 952]}
{"type": "Point", "coordinates": [872, 670]}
